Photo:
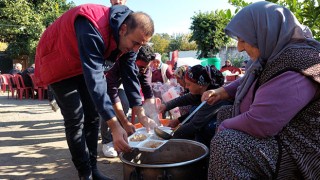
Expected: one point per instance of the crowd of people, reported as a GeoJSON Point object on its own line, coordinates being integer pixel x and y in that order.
{"type": "Point", "coordinates": [264, 125]}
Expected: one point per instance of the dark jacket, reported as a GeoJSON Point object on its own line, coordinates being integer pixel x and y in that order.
{"type": "Point", "coordinates": [63, 50]}
{"type": "Point", "coordinates": [26, 78]}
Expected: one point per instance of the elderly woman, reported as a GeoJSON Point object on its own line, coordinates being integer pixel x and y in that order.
{"type": "Point", "coordinates": [160, 71]}
{"type": "Point", "coordinates": [273, 128]}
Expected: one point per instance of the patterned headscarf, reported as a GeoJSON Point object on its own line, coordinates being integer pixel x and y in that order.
{"type": "Point", "coordinates": [205, 75]}
{"type": "Point", "coordinates": [272, 29]}
{"type": "Point", "coordinates": [181, 71]}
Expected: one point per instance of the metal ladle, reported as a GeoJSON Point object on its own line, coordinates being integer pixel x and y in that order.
{"type": "Point", "coordinates": [164, 135]}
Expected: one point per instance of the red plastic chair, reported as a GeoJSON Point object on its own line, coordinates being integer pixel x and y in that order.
{"type": "Point", "coordinates": [233, 70]}
{"type": "Point", "coordinates": [4, 83]}
{"type": "Point", "coordinates": [39, 90]}
{"type": "Point", "coordinates": [21, 88]}
{"type": "Point", "coordinates": [11, 84]}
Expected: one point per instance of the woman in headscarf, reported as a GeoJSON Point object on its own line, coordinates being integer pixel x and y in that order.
{"type": "Point", "coordinates": [272, 131]}
{"type": "Point", "coordinates": [179, 74]}
{"type": "Point", "coordinates": [201, 126]}
{"type": "Point", "coordinates": [160, 71]}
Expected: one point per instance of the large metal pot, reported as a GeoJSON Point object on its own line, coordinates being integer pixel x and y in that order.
{"type": "Point", "coordinates": [177, 159]}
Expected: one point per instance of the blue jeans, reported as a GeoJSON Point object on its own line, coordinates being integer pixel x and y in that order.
{"type": "Point", "coordinates": [81, 121]}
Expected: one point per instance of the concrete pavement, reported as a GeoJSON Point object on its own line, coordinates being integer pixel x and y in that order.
{"type": "Point", "coordinates": [33, 145]}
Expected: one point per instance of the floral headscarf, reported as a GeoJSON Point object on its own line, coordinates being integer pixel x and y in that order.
{"type": "Point", "coordinates": [272, 29]}
{"type": "Point", "coordinates": [181, 71]}
{"type": "Point", "coordinates": [205, 76]}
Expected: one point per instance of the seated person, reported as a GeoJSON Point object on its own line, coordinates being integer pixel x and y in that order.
{"type": "Point", "coordinates": [25, 75]}
{"type": "Point", "coordinates": [17, 69]}
{"type": "Point", "coordinates": [272, 130]}
{"type": "Point", "coordinates": [114, 78]}
{"type": "Point", "coordinates": [179, 74]}
{"type": "Point", "coordinates": [201, 126]}
{"type": "Point", "coordinates": [160, 71]}
{"type": "Point", "coordinates": [227, 64]}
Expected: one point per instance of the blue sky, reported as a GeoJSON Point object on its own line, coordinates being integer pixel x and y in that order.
{"type": "Point", "coordinates": [170, 16]}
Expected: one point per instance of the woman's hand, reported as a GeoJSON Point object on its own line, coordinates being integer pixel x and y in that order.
{"type": "Point", "coordinates": [148, 123]}
{"type": "Point", "coordinates": [173, 123]}
{"type": "Point", "coordinates": [162, 108]}
{"type": "Point", "coordinates": [214, 95]}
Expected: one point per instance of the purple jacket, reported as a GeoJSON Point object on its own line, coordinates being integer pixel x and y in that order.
{"type": "Point", "coordinates": [260, 113]}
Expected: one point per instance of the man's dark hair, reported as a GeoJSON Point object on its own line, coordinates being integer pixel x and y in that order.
{"type": "Point", "coordinates": [146, 53]}
{"type": "Point", "coordinates": [140, 20]}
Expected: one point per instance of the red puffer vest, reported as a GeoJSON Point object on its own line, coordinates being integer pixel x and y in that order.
{"type": "Point", "coordinates": [57, 55]}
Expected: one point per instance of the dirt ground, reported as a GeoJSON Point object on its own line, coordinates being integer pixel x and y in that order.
{"type": "Point", "coordinates": [33, 145]}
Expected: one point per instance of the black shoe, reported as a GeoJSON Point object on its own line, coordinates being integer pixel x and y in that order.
{"type": "Point", "coordinates": [97, 175]}
{"type": "Point", "coordinates": [54, 105]}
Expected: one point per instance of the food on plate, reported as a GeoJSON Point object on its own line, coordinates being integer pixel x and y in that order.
{"type": "Point", "coordinates": [152, 144]}
{"type": "Point", "coordinates": [155, 137]}
{"type": "Point", "coordinates": [138, 137]}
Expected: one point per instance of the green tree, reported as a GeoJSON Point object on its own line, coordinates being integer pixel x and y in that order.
{"type": "Point", "coordinates": [160, 42]}
{"type": "Point", "coordinates": [175, 43]}
{"type": "Point", "coordinates": [306, 11]}
{"type": "Point", "coordinates": [188, 45]}
{"type": "Point", "coordinates": [181, 42]}
{"type": "Point", "coordinates": [23, 21]}
{"type": "Point", "coordinates": [208, 31]}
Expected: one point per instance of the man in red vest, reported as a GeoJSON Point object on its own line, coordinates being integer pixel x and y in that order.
{"type": "Point", "coordinates": [71, 57]}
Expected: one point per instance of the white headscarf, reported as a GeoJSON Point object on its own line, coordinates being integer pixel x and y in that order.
{"type": "Point", "coordinates": [272, 29]}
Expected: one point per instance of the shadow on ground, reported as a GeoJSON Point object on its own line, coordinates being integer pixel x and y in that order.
{"type": "Point", "coordinates": [33, 144]}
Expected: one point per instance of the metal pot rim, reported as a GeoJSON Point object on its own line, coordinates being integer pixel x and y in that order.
{"type": "Point", "coordinates": [172, 164]}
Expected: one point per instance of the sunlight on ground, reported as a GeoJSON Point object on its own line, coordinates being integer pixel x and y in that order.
{"type": "Point", "coordinates": [45, 169]}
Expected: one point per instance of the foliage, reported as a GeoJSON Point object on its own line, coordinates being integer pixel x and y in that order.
{"type": "Point", "coordinates": [163, 43]}
{"type": "Point", "coordinates": [237, 61]}
{"type": "Point", "coordinates": [23, 21]}
{"type": "Point", "coordinates": [306, 11]}
{"type": "Point", "coordinates": [3, 46]}
{"type": "Point", "coordinates": [208, 31]}
{"type": "Point", "coordinates": [160, 42]}
{"type": "Point", "coordinates": [165, 57]}
{"type": "Point", "coordinates": [238, 4]}
{"type": "Point", "coordinates": [181, 43]}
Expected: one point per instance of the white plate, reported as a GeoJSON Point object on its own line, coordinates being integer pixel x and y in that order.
{"type": "Point", "coordinates": [144, 144]}
{"type": "Point", "coordinates": [148, 145]}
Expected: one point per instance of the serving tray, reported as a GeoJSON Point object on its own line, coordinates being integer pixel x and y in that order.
{"type": "Point", "coordinates": [147, 141]}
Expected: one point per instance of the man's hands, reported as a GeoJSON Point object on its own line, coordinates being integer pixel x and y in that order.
{"type": "Point", "coordinates": [119, 135]}
{"type": "Point", "coordinates": [162, 108]}
{"type": "Point", "coordinates": [143, 119]}
{"type": "Point", "coordinates": [128, 127]}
